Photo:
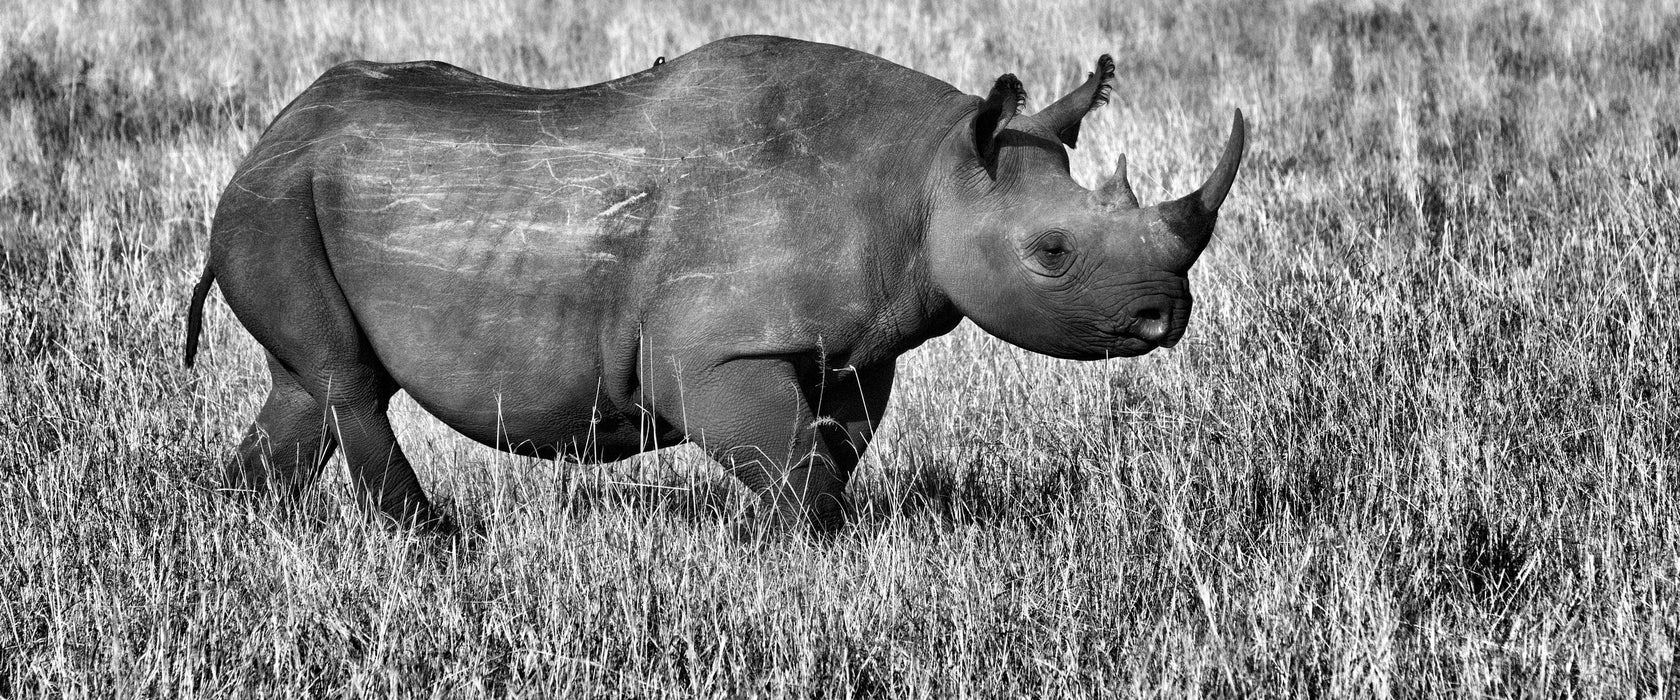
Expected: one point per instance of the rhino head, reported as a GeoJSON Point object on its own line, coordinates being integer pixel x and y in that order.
{"type": "Point", "coordinates": [1037, 260]}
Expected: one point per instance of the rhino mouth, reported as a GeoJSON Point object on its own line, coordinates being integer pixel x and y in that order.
{"type": "Point", "coordinates": [1140, 336]}
{"type": "Point", "coordinates": [1119, 344]}
{"type": "Point", "coordinates": [1101, 345]}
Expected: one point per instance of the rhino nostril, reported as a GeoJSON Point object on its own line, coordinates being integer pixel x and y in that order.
{"type": "Point", "coordinates": [1151, 324]}
{"type": "Point", "coordinates": [1151, 330]}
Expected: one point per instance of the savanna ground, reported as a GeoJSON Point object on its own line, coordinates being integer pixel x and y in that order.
{"type": "Point", "coordinates": [1420, 439]}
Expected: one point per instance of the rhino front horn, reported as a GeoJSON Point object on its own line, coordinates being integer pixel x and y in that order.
{"type": "Point", "coordinates": [1219, 183]}
{"type": "Point", "coordinates": [1192, 216]}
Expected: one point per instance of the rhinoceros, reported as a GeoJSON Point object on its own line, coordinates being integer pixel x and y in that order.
{"type": "Point", "coordinates": [731, 248]}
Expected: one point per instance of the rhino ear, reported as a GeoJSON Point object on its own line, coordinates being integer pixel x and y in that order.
{"type": "Point", "coordinates": [1063, 117]}
{"type": "Point", "coordinates": [1000, 106]}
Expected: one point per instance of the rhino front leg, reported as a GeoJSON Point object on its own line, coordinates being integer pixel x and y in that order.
{"type": "Point", "coordinates": [851, 402]}
{"type": "Point", "coordinates": [753, 417]}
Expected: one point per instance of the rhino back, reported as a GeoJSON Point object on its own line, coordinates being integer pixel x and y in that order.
{"type": "Point", "coordinates": [513, 254]}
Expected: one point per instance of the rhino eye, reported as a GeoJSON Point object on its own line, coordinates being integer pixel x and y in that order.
{"type": "Point", "coordinates": [1053, 252]}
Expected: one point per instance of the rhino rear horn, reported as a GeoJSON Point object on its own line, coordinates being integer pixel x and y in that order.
{"type": "Point", "coordinates": [996, 111]}
{"type": "Point", "coordinates": [1192, 216]}
{"type": "Point", "coordinates": [1064, 116]}
{"type": "Point", "coordinates": [1117, 192]}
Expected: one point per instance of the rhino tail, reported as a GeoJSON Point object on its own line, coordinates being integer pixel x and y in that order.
{"type": "Point", "coordinates": [195, 312]}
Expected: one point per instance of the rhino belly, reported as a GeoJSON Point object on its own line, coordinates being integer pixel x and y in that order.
{"type": "Point", "coordinates": [521, 384]}
{"type": "Point", "coordinates": [556, 408]}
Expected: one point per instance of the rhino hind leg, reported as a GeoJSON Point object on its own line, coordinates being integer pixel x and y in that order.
{"type": "Point", "coordinates": [384, 480]}
{"type": "Point", "coordinates": [300, 426]}
{"type": "Point", "coordinates": [348, 402]}
{"type": "Point", "coordinates": [285, 447]}
{"type": "Point", "coordinates": [275, 277]}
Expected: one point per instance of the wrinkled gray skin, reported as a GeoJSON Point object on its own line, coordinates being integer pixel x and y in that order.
{"type": "Point", "coordinates": [730, 248]}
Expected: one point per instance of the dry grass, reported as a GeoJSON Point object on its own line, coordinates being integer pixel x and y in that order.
{"type": "Point", "coordinates": [1421, 438]}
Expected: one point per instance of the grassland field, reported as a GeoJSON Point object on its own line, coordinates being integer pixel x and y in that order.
{"type": "Point", "coordinates": [1420, 440]}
